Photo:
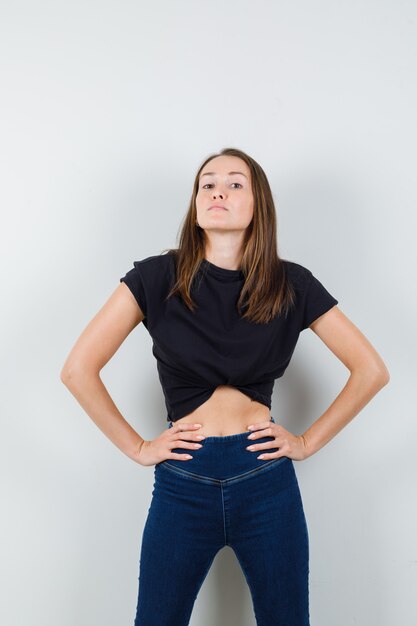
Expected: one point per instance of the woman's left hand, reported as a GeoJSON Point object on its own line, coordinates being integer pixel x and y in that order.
{"type": "Point", "coordinates": [289, 445]}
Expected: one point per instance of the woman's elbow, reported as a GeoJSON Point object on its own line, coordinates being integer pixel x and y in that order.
{"type": "Point", "coordinates": [371, 371]}
{"type": "Point", "coordinates": [72, 373]}
{"type": "Point", "coordinates": [378, 375]}
{"type": "Point", "coordinates": [384, 376]}
{"type": "Point", "coordinates": [67, 374]}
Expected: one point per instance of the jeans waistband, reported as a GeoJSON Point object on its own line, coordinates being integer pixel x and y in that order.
{"type": "Point", "coordinates": [221, 458]}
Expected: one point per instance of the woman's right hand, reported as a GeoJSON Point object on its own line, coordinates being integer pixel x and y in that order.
{"type": "Point", "coordinates": [159, 449]}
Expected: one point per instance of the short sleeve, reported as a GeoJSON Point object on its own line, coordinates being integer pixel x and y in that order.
{"type": "Point", "coordinates": [134, 280]}
{"type": "Point", "coordinates": [317, 301]}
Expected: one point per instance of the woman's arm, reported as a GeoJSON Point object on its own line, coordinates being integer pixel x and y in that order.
{"type": "Point", "coordinates": [368, 374]}
{"type": "Point", "coordinates": [94, 348]}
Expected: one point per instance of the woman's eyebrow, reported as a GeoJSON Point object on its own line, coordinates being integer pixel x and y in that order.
{"type": "Point", "coordinates": [214, 173]}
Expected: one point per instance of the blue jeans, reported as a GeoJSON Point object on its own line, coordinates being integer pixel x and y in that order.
{"type": "Point", "coordinates": [224, 496]}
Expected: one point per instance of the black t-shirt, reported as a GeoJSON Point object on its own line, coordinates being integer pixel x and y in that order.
{"type": "Point", "coordinates": [198, 351]}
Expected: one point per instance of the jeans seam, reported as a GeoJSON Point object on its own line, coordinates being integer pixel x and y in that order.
{"type": "Point", "coordinates": [217, 481]}
{"type": "Point", "coordinates": [224, 516]}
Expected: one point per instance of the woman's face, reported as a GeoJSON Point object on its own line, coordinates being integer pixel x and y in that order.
{"type": "Point", "coordinates": [225, 181]}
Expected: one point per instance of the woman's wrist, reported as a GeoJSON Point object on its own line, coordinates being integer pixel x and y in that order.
{"type": "Point", "coordinates": [134, 453]}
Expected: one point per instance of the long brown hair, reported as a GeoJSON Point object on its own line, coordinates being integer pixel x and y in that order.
{"type": "Point", "coordinates": [266, 290]}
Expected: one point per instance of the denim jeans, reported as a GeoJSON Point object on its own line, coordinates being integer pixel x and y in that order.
{"type": "Point", "coordinates": [224, 496]}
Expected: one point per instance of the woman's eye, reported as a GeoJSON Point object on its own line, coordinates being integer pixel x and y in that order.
{"type": "Point", "coordinates": [211, 184]}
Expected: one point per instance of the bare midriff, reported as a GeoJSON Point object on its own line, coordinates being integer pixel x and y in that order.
{"type": "Point", "coordinates": [228, 411]}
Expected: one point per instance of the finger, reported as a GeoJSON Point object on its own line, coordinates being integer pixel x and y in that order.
{"type": "Point", "coordinates": [183, 427]}
{"type": "Point", "coordinates": [272, 455]}
{"type": "Point", "coordinates": [266, 432]}
{"type": "Point", "coordinates": [184, 435]}
{"type": "Point", "coordinates": [262, 446]}
{"type": "Point", "coordinates": [180, 457]}
{"type": "Point", "coordinates": [259, 425]}
{"type": "Point", "coordinates": [189, 445]}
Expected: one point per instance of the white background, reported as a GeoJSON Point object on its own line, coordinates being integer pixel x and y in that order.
{"type": "Point", "coordinates": [107, 110]}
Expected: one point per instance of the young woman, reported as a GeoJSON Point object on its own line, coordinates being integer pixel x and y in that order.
{"type": "Point", "coordinates": [225, 313]}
